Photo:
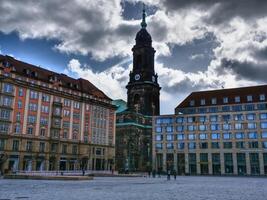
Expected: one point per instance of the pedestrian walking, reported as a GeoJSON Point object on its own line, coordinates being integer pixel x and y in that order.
{"type": "Point", "coordinates": [169, 175]}
{"type": "Point", "coordinates": [174, 174]}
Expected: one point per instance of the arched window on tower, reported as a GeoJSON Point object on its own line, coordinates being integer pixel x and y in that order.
{"type": "Point", "coordinates": [137, 103]}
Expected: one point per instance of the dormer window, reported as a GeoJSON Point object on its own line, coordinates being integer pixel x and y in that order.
{"type": "Point", "coordinates": [225, 100]}
{"type": "Point", "coordinates": [213, 101]}
{"type": "Point", "coordinates": [26, 71]}
{"type": "Point", "coordinates": [6, 64]}
{"type": "Point", "coordinates": [249, 98]}
{"type": "Point", "coordinates": [202, 102]}
{"type": "Point", "coordinates": [237, 99]}
{"type": "Point", "coordinates": [192, 103]}
{"type": "Point", "coordinates": [262, 97]}
{"type": "Point", "coordinates": [34, 74]}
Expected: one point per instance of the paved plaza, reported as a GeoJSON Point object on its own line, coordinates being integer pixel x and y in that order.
{"type": "Point", "coordinates": [184, 188]}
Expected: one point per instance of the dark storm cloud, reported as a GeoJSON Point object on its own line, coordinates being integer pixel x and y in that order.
{"type": "Point", "coordinates": [187, 86]}
{"type": "Point", "coordinates": [261, 54]}
{"type": "Point", "coordinates": [247, 70]}
{"type": "Point", "coordinates": [222, 10]}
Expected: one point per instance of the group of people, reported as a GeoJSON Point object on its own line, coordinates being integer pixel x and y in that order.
{"type": "Point", "coordinates": [169, 173]}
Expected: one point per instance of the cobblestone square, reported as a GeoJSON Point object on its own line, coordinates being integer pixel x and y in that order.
{"type": "Point", "coordinates": [184, 188]}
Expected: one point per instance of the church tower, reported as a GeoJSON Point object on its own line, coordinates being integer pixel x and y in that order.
{"type": "Point", "coordinates": [143, 88]}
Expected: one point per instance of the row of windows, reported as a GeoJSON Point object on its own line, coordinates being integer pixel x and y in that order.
{"type": "Point", "coordinates": [212, 118]}
{"type": "Point", "coordinates": [213, 145]}
{"type": "Point", "coordinates": [237, 99]}
{"type": "Point", "coordinates": [212, 127]}
{"type": "Point", "coordinates": [42, 147]}
{"type": "Point", "coordinates": [213, 136]}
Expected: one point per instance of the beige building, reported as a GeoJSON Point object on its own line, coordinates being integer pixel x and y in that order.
{"type": "Point", "coordinates": [49, 121]}
{"type": "Point", "coordinates": [219, 132]}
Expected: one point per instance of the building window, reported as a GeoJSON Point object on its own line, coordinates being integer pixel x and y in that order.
{"type": "Point", "coordinates": [29, 146]}
{"type": "Point", "coordinates": [202, 119]}
{"type": "Point", "coordinates": [169, 137]}
{"type": "Point", "coordinates": [226, 127]}
{"type": "Point", "coordinates": [45, 98]}
{"type": "Point", "coordinates": [225, 100]}
{"type": "Point", "coordinates": [42, 132]}
{"type": "Point", "coordinates": [5, 114]}
{"type": "Point", "coordinates": [43, 121]}
{"type": "Point", "coordinates": [213, 101]}
{"type": "Point", "coordinates": [249, 98]}
{"type": "Point", "coordinates": [31, 119]}
{"type": "Point", "coordinates": [264, 145]}
{"type": "Point", "coordinates": [251, 116]}
{"type": "Point", "coordinates": [202, 127]}
{"type": "Point", "coordinates": [54, 147]}
{"type": "Point", "coordinates": [215, 145]}
{"type": "Point", "coordinates": [169, 145]}
{"type": "Point", "coordinates": [4, 128]}
{"type": "Point", "coordinates": [65, 134]}
{"type": "Point", "coordinates": [33, 94]}
{"type": "Point", "coordinates": [262, 97]}
{"type": "Point", "coordinates": [239, 135]}
{"type": "Point", "coordinates": [203, 145]}
{"type": "Point", "coordinates": [263, 116]}
{"type": "Point", "coordinates": [237, 108]}
{"type": "Point", "coordinates": [180, 128]}
{"type": "Point", "coordinates": [67, 102]}
{"type": "Point", "coordinates": [191, 127]}
{"type": "Point", "coordinates": [191, 145]}
{"type": "Point", "coordinates": [33, 107]}
{"type": "Point", "coordinates": [179, 119]}
{"type": "Point", "coordinates": [158, 129]}
{"type": "Point", "coordinates": [180, 145]}
{"type": "Point", "coordinates": [76, 105]}
{"type": "Point", "coordinates": [202, 102]}
{"type": "Point", "coordinates": [8, 88]}
{"type": "Point", "coordinates": [159, 137]}
{"type": "Point", "coordinates": [253, 145]}
{"type": "Point", "coordinates": [263, 125]}
{"type": "Point", "coordinates": [7, 101]}
{"type": "Point", "coordinates": [42, 147]}
{"type": "Point", "coordinates": [239, 117]}
{"type": "Point", "coordinates": [215, 136]}
{"type": "Point", "coordinates": [64, 149]}
{"type": "Point", "coordinates": [264, 135]}
{"type": "Point", "coordinates": [191, 136]}
{"type": "Point", "coordinates": [240, 145]}
{"type": "Point", "coordinates": [191, 119]}
{"type": "Point", "coordinates": [158, 145]}
{"type": "Point", "coordinates": [252, 135]}
{"type": "Point", "coordinates": [19, 104]}
{"type": "Point", "coordinates": [15, 146]}
{"type": "Point", "coordinates": [169, 129]}
{"type": "Point", "coordinates": [226, 108]}
{"type": "Point", "coordinates": [227, 145]}
{"type": "Point", "coordinates": [250, 107]}
{"type": "Point", "coordinates": [213, 118]}
{"type": "Point", "coordinates": [20, 92]}
{"type": "Point", "coordinates": [227, 136]}
{"type": "Point", "coordinates": [238, 126]}
{"type": "Point", "coordinates": [237, 99]}
{"type": "Point", "coordinates": [44, 109]}
{"type": "Point", "coordinates": [17, 128]}
{"type": "Point", "coordinates": [192, 103]}
{"type": "Point", "coordinates": [215, 127]}
{"type": "Point", "coordinates": [30, 130]}
{"type": "Point", "coordinates": [252, 125]}
{"type": "Point", "coordinates": [180, 136]}
{"type": "Point", "coordinates": [203, 136]}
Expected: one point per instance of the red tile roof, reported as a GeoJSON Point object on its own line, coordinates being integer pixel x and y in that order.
{"type": "Point", "coordinates": [243, 92]}
{"type": "Point", "coordinates": [38, 73]}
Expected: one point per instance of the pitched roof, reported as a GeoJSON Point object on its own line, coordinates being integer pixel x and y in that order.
{"type": "Point", "coordinates": [242, 92]}
{"type": "Point", "coordinates": [28, 70]}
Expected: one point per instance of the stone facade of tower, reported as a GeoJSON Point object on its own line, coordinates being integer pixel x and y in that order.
{"type": "Point", "coordinates": [134, 122]}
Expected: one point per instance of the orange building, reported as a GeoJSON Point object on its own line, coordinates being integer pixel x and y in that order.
{"type": "Point", "coordinates": [49, 121]}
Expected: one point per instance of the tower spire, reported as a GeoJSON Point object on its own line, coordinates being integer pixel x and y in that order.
{"type": "Point", "coordinates": [143, 23]}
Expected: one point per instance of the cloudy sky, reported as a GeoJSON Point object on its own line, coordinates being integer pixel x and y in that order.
{"type": "Point", "coordinates": [200, 45]}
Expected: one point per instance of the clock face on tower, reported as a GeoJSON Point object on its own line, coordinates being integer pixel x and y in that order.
{"type": "Point", "coordinates": [137, 77]}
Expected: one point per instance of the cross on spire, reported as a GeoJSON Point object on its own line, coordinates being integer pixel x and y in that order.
{"type": "Point", "coordinates": [143, 23]}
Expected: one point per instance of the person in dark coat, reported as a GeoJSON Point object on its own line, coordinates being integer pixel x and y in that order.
{"type": "Point", "coordinates": [174, 174]}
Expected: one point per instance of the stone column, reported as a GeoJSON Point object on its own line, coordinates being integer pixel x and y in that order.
{"type": "Point", "coordinates": [198, 163]}
{"type": "Point", "coordinates": [235, 163]}
{"type": "Point", "coordinates": [186, 163]}
{"type": "Point", "coordinates": [261, 164]}
{"type": "Point", "coordinates": [210, 163]}
{"type": "Point", "coordinates": [222, 163]}
{"type": "Point", "coordinates": [164, 162]}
